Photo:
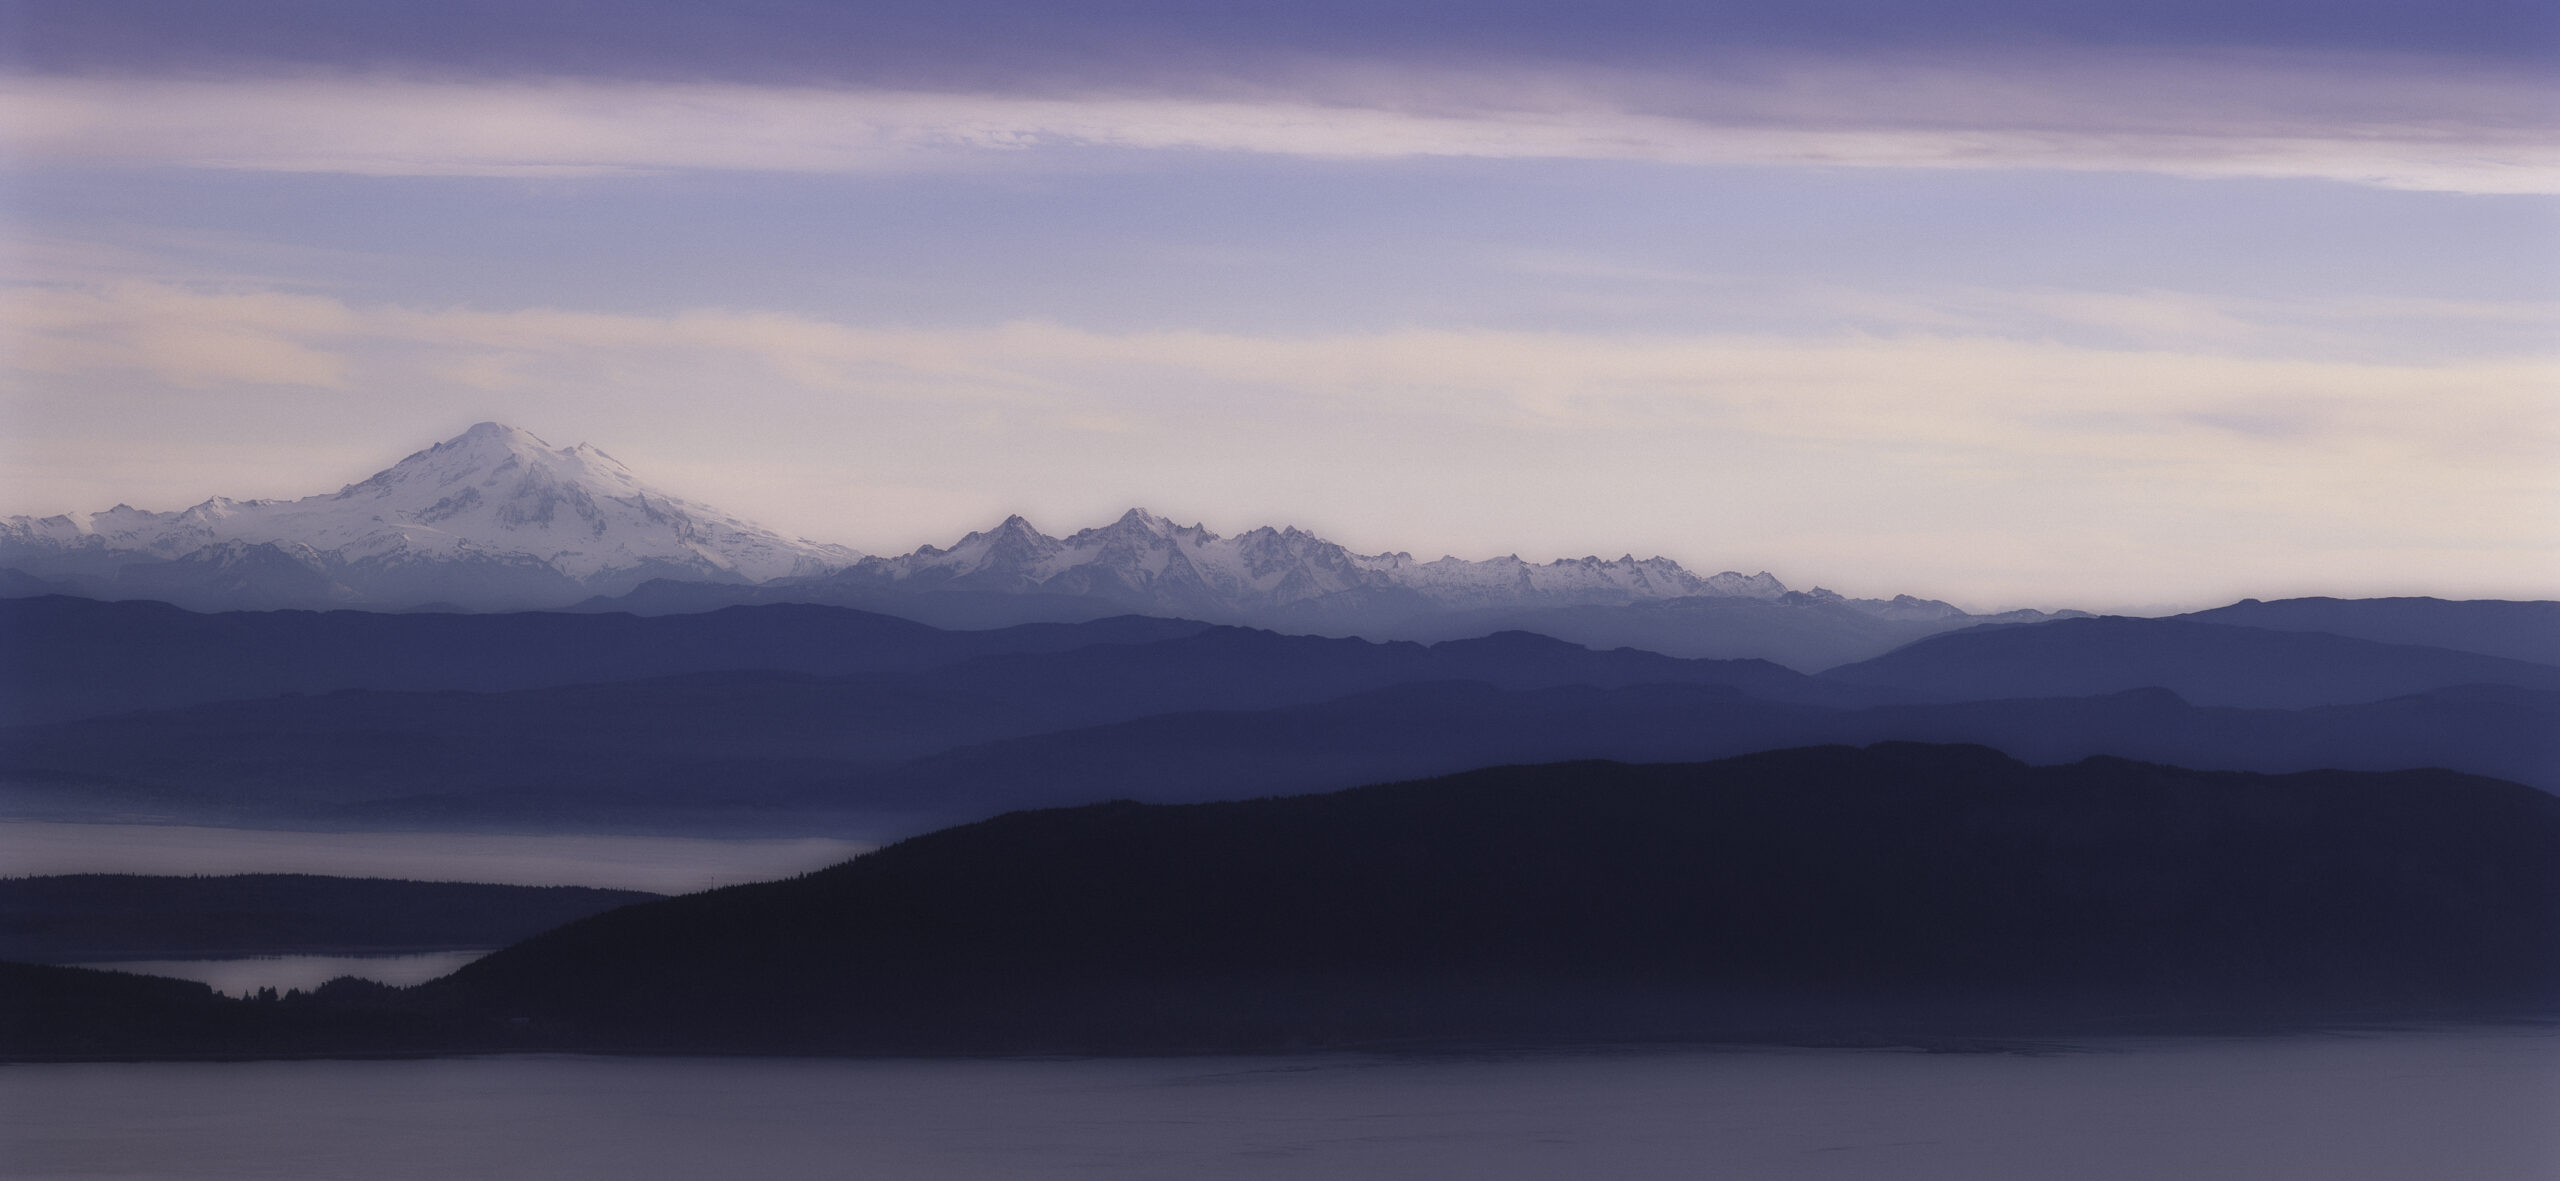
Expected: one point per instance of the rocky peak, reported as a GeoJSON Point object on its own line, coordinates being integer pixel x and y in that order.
{"type": "Point", "coordinates": [1011, 546]}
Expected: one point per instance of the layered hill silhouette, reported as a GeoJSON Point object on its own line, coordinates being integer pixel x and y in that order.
{"type": "Point", "coordinates": [646, 752]}
{"type": "Point", "coordinates": [1894, 893]}
{"type": "Point", "coordinates": [1444, 727]}
{"type": "Point", "coordinates": [2493, 627]}
{"type": "Point", "coordinates": [874, 726]}
{"type": "Point", "coordinates": [1805, 631]}
{"type": "Point", "coordinates": [792, 755]}
{"type": "Point", "coordinates": [2206, 663]}
{"type": "Point", "coordinates": [63, 657]}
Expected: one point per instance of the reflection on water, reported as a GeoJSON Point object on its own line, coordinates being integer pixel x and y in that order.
{"type": "Point", "coordinates": [242, 975]}
{"type": "Point", "coordinates": [664, 865]}
{"type": "Point", "coordinates": [2474, 1105]}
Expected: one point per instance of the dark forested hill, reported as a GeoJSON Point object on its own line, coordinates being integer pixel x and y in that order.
{"type": "Point", "coordinates": [1823, 889]}
{"type": "Point", "coordinates": [1896, 892]}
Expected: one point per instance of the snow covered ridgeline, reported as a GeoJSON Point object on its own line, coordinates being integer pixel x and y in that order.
{"type": "Point", "coordinates": [497, 519]}
{"type": "Point", "coordinates": [1148, 555]}
{"type": "Point", "coordinates": [1289, 580]}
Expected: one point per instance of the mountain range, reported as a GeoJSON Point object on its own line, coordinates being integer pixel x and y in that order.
{"type": "Point", "coordinates": [1105, 760]}
{"type": "Point", "coordinates": [496, 519]}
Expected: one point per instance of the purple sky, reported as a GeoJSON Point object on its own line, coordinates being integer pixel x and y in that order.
{"type": "Point", "coordinates": [929, 40]}
{"type": "Point", "coordinates": [2005, 303]}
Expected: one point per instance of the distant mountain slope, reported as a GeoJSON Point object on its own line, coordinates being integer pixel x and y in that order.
{"type": "Point", "coordinates": [492, 518]}
{"type": "Point", "coordinates": [710, 741]}
{"type": "Point", "coordinates": [1808, 632]}
{"type": "Point", "coordinates": [1897, 889]}
{"type": "Point", "coordinates": [2205, 663]}
{"type": "Point", "coordinates": [64, 658]}
{"type": "Point", "coordinates": [784, 718]}
{"type": "Point", "coordinates": [1290, 581]}
{"type": "Point", "coordinates": [1411, 731]}
{"type": "Point", "coordinates": [89, 917]}
{"type": "Point", "coordinates": [2492, 627]}
{"type": "Point", "coordinates": [880, 757]}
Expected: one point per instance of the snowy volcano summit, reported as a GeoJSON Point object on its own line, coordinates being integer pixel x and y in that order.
{"type": "Point", "coordinates": [491, 518]}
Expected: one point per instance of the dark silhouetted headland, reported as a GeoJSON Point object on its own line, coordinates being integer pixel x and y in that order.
{"type": "Point", "coordinates": [1896, 892]}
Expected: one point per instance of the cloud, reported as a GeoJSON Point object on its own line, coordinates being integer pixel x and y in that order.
{"type": "Point", "coordinates": [2332, 326]}
{"type": "Point", "coordinates": [881, 42]}
{"type": "Point", "coordinates": [2388, 122]}
{"type": "Point", "coordinates": [186, 337]}
{"type": "Point", "coordinates": [1974, 393]}
{"type": "Point", "coordinates": [1999, 468]}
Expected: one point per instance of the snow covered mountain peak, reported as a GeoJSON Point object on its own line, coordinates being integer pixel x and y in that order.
{"type": "Point", "coordinates": [495, 449]}
{"type": "Point", "coordinates": [492, 514]}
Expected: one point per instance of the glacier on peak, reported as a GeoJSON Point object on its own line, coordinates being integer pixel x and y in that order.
{"type": "Point", "coordinates": [541, 526]}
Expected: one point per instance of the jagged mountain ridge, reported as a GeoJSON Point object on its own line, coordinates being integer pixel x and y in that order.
{"type": "Point", "coordinates": [1288, 580]}
{"type": "Point", "coordinates": [492, 518]}
{"type": "Point", "coordinates": [497, 519]}
{"type": "Point", "coordinates": [1146, 561]}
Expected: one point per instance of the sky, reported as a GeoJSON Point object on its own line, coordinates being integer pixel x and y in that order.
{"type": "Point", "coordinates": [2006, 302]}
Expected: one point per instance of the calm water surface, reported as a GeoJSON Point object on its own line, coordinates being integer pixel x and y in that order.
{"type": "Point", "coordinates": [242, 975]}
{"type": "Point", "coordinates": [664, 865]}
{"type": "Point", "coordinates": [2436, 1106]}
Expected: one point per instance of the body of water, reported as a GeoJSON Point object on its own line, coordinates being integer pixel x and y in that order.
{"type": "Point", "coordinates": [664, 865]}
{"type": "Point", "coordinates": [2430, 1106]}
{"type": "Point", "coordinates": [242, 975]}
